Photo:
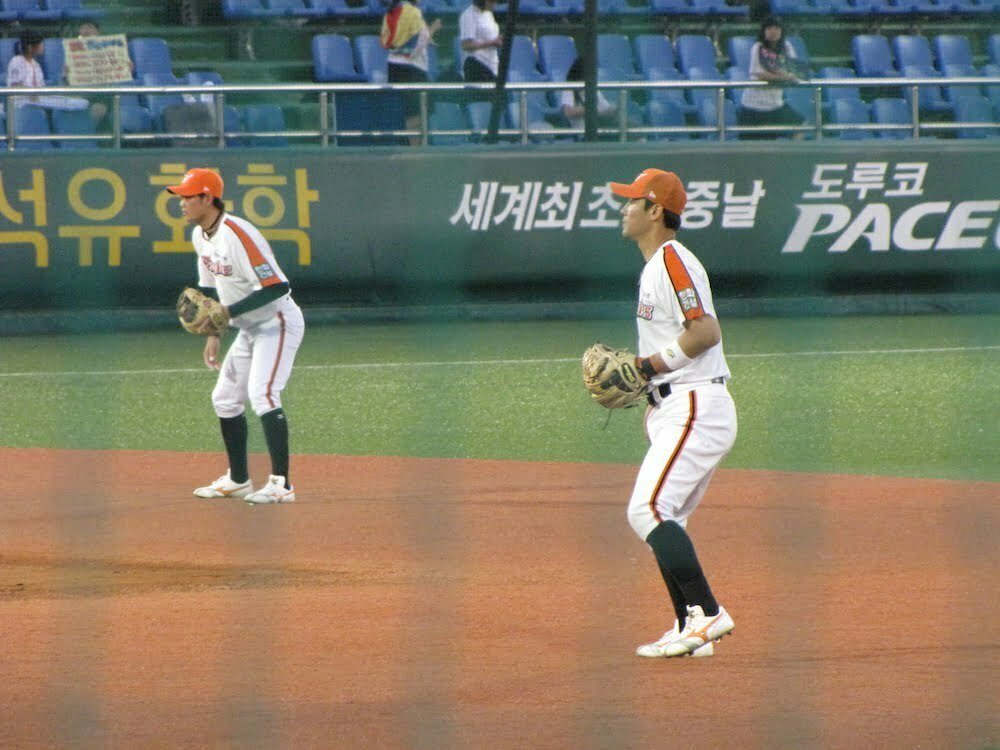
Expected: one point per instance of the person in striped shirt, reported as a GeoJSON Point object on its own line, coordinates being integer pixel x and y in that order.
{"type": "Point", "coordinates": [690, 419]}
{"type": "Point", "coordinates": [237, 263]}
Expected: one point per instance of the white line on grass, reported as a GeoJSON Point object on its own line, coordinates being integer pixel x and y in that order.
{"type": "Point", "coordinates": [499, 362]}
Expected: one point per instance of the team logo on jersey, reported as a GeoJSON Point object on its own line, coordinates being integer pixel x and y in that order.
{"type": "Point", "coordinates": [688, 299]}
{"type": "Point", "coordinates": [216, 267]}
{"type": "Point", "coordinates": [644, 311]}
{"type": "Point", "coordinates": [263, 271]}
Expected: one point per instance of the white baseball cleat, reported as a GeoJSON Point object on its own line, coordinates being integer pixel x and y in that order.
{"type": "Point", "coordinates": [225, 487]}
{"type": "Point", "coordinates": [272, 492]}
{"type": "Point", "coordinates": [700, 630]}
{"type": "Point", "coordinates": [657, 649]}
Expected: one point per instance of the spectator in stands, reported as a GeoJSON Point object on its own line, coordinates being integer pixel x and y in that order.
{"type": "Point", "coordinates": [770, 60]}
{"type": "Point", "coordinates": [571, 103]}
{"type": "Point", "coordinates": [480, 39]}
{"type": "Point", "coordinates": [24, 68]}
{"type": "Point", "coordinates": [406, 35]}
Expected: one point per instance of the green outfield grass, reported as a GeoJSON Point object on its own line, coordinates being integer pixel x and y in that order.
{"type": "Point", "coordinates": [512, 391]}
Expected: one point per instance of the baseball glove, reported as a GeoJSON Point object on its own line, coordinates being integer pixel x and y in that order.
{"type": "Point", "coordinates": [201, 315]}
{"type": "Point", "coordinates": [610, 376]}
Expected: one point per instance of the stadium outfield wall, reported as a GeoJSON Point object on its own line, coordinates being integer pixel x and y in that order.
{"type": "Point", "coordinates": [823, 227]}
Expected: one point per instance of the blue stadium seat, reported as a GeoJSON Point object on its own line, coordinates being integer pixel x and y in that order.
{"type": "Point", "coordinates": [976, 6]}
{"type": "Point", "coordinates": [694, 51]}
{"type": "Point", "coordinates": [664, 113]}
{"type": "Point", "coordinates": [803, 101]}
{"type": "Point", "coordinates": [992, 89]}
{"type": "Point", "coordinates": [612, 8]}
{"type": "Point", "coordinates": [264, 118]}
{"type": "Point", "coordinates": [202, 78]}
{"type": "Point", "coordinates": [708, 115]}
{"type": "Point", "coordinates": [53, 60]}
{"type": "Point", "coordinates": [157, 103]}
{"type": "Point", "coordinates": [954, 92]}
{"type": "Point", "coordinates": [873, 56]}
{"type": "Point", "coordinates": [698, 8]}
{"type": "Point", "coordinates": [952, 49]}
{"type": "Point", "coordinates": [343, 9]}
{"type": "Point", "coordinates": [735, 74]}
{"type": "Point", "coordinates": [851, 112]}
{"type": "Point", "coordinates": [993, 48]}
{"type": "Point", "coordinates": [371, 59]}
{"type": "Point", "coordinates": [912, 49]}
{"type": "Point", "coordinates": [548, 8]}
{"type": "Point", "coordinates": [333, 59]}
{"type": "Point", "coordinates": [150, 55]}
{"type": "Point", "coordinates": [73, 122]}
{"type": "Point", "coordinates": [369, 111]}
{"type": "Point", "coordinates": [738, 48]}
{"type": "Point", "coordinates": [245, 9]}
{"type": "Point", "coordinates": [653, 52]}
{"type": "Point", "coordinates": [538, 109]}
{"type": "Point", "coordinates": [933, 7]}
{"type": "Point", "coordinates": [7, 51]}
{"type": "Point", "coordinates": [975, 109]}
{"type": "Point", "coordinates": [29, 10]}
{"type": "Point", "coordinates": [930, 98]}
{"type": "Point", "coordinates": [293, 9]}
{"type": "Point", "coordinates": [479, 118]}
{"type": "Point", "coordinates": [697, 96]}
{"type": "Point", "coordinates": [892, 111]}
{"type": "Point", "coordinates": [893, 7]}
{"type": "Point", "coordinates": [135, 119]}
{"type": "Point", "coordinates": [676, 96]}
{"type": "Point", "coordinates": [801, 7]}
{"type": "Point", "coordinates": [852, 7]}
{"type": "Point", "coordinates": [32, 120]}
{"type": "Point", "coordinates": [523, 57]}
{"type": "Point", "coordinates": [556, 53]}
{"type": "Point", "coordinates": [447, 116]}
{"type": "Point", "coordinates": [444, 7]}
{"type": "Point", "coordinates": [614, 53]}
{"type": "Point", "coordinates": [832, 93]}
{"type": "Point", "coordinates": [73, 10]}
{"type": "Point", "coordinates": [798, 45]}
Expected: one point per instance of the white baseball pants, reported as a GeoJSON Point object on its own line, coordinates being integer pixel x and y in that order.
{"type": "Point", "coordinates": [690, 433]}
{"type": "Point", "coordinates": [258, 365]}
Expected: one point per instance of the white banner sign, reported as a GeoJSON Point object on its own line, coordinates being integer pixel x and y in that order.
{"type": "Point", "coordinates": [97, 60]}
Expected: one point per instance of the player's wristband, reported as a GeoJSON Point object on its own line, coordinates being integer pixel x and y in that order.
{"type": "Point", "coordinates": [675, 357]}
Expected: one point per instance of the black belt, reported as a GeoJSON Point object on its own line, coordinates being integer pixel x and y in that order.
{"type": "Point", "coordinates": [664, 390]}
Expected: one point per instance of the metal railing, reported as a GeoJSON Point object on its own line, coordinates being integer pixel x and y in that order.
{"type": "Point", "coordinates": [326, 132]}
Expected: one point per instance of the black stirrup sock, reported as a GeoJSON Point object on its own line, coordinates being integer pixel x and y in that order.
{"type": "Point", "coordinates": [234, 436]}
{"type": "Point", "coordinates": [674, 550]}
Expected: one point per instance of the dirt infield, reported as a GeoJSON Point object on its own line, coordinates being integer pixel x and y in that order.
{"type": "Point", "coordinates": [413, 603]}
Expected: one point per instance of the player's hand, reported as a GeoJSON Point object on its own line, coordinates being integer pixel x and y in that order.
{"type": "Point", "coordinates": [211, 353]}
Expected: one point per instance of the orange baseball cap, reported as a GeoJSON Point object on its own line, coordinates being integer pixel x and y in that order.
{"type": "Point", "coordinates": [198, 181]}
{"type": "Point", "coordinates": [662, 188]}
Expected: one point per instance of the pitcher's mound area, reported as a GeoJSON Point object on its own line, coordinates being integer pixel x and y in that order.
{"type": "Point", "coordinates": [408, 603]}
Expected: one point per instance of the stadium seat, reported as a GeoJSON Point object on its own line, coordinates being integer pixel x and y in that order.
{"type": "Point", "coordinates": [697, 96]}
{"type": "Point", "coordinates": [614, 52]}
{"type": "Point", "coordinates": [892, 111]}
{"type": "Point", "coordinates": [333, 59]}
{"type": "Point", "coordinates": [7, 51]}
{"type": "Point", "coordinates": [246, 9]}
{"type": "Point", "coordinates": [653, 52]}
{"type": "Point", "coordinates": [444, 7]}
{"type": "Point", "coordinates": [556, 53]}
{"type": "Point", "coordinates": [343, 9]}
{"type": "Point", "coordinates": [738, 48]}
{"type": "Point", "coordinates": [548, 8]}
{"type": "Point", "coordinates": [954, 92]}
{"type": "Point", "coordinates": [371, 59]}
{"type": "Point", "coordinates": [538, 110]}
{"type": "Point", "coordinates": [951, 49]}
{"type": "Point", "coordinates": [72, 10]}
{"type": "Point", "coordinates": [676, 96]}
{"type": "Point", "coordinates": [28, 10]}
{"type": "Point", "coordinates": [202, 78]}
{"type": "Point", "coordinates": [873, 56]}
{"type": "Point", "coordinates": [993, 48]}
{"type": "Point", "coordinates": [851, 112]}
{"type": "Point", "coordinates": [664, 113]}
{"type": "Point", "coordinates": [893, 7]}
{"type": "Point", "coordinates": [368, 111]}
{"type": "Point", "coordinates": [264, 118]}
{"type": "Point", "coordinates": [32, 120]}
{"type": "Point", "coordinates": [975, 109]}
{"type": "Point", "coordinates": [694, 51]}
{"type": "Point", "coordinates": [912, 49]}
{"type": "Point", "coordinates": [150, 55]}
{"type": "Point", "coordinates": [523, 57]}
{"type": "Point", "coordinates": [53, 60]}
{"type": "Point", "coordinates": [734, 75]}
{"type": "Point", "coordinates": [992, 90]}
{"type": "Point", "coordinates": [801, 7]}
{"type": "Point", "coordinates": [852, 7]}
{"type": "Point", "coordinates": [73, 122]}
{"type": "Point", "coordinates": [930, 98]}
{"type": "Point", "coordinates": [135, 119]}
{"type": "Point", "coordinates": [698, 8]}
{"type": "Point", "coordinates": [708, 116]}
{"type": "Point", "coordinates": [832, 93]}
{"type": "Point", "coordinates": [479, 118]}
{"type": "Point", "coordinates": [976, 6]}
{"type": "Point", "coordinates": [447, 116]}
{"type": "Point", "coordinates": [803, 101]}
{"type": "Point", "coordinates": [157, 103]}
{"type": "Point", "coordinates": [612, 8]}
{"type": "Point", "coordinates": [293, 9]}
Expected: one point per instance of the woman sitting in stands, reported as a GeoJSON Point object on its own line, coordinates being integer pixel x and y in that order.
{"type": "Point", "coordinates": [407, 36]}
{"type": "Point", "coordinates": [769, 61]}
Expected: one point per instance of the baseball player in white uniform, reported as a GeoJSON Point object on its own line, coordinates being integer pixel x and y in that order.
{"type": "Point", "coordinates": [236, 261]}
{"type": "Point", "coordinates": [691, 418]}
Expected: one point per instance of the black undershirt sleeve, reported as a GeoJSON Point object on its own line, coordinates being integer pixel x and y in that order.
{"type": "Point", "coordinates": [259, 298]}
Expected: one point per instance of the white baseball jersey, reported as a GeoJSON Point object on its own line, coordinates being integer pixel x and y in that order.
{"type": "Point", "coordinates": [694, 427]}
{"type": "Point", "coordinates": [478, 25]}
{"type": "Point", "coordinates": [237, 261]}
{"type": "Point", "coordinates": [674, 288]}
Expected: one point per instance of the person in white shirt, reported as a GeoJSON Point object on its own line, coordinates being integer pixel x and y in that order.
{"type": "Point", "coordinates": [691, 418]}
{"type": "Point", "coordinates": [769, 61]}
{"type": "Point", "coordinates": [24, 68]}
{"type": "Point", "coordinates": [480, 41]}
{"type": "Point", "coordinates": [236, 262]}
{"type": "Point", "coordinates": [572, 102]}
